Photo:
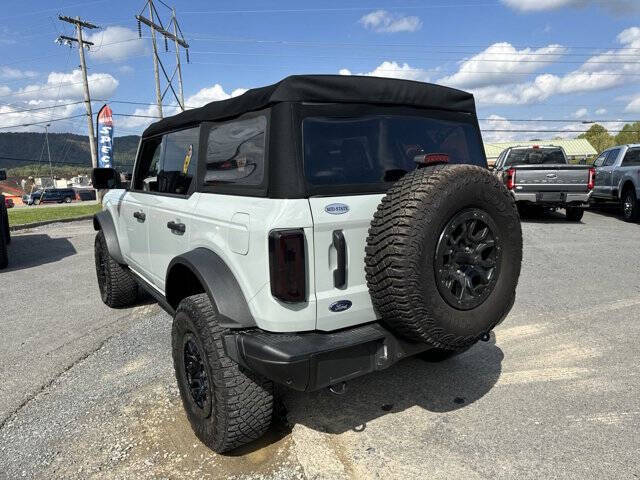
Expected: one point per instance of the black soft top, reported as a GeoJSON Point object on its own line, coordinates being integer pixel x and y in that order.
{"type": "Point", "coordinates": [324, 89]}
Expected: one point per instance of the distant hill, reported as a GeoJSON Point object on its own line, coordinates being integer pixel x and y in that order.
{"type": "Point", "coordinates": [18, 149]}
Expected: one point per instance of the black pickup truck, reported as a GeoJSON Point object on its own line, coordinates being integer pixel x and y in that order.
{"type": "Point", "coordinates": [540, 176]}
{"type": "Point", "coordinates": [5, 237]}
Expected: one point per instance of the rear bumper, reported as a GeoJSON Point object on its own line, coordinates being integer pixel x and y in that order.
{"type": "Point", "coordinates": [310, 361]}
{"type": "Point", "coordinates": [539, 197]}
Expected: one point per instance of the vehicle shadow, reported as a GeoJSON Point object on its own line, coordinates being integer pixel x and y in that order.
{"type": "Point", "coordinates": [545, 217]}
{"type": "Point", "coordinates": [436, 387]}
{"type": "Point", "coordinates": [27, 251]}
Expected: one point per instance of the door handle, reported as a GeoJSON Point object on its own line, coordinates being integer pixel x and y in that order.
{"type": "Point", "coordinates": [176, 227]}
{"type": "Point", "coordinates": [140, 216]}
{"type": "Point", "coordinates": [340, 273]}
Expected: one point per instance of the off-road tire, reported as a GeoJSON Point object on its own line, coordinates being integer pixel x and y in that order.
{"type": "Point", "coordinates": [630, 214]}
{"type": "Point", "coordinates": [239, 405]}
{"type": "Point", "coordinates": [118, 288]}
{"type": "Point", "coordinates": [401, 247]}
{"type": "Point", "coordinates": [574, 214]}
{"type": "Point", "coordinates": [36, 201]}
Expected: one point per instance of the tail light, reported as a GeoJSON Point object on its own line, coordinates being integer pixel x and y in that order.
{"type": "Point", "coordinates": [510, 181]}
{"type": "Point", "coordinates": [287, 265]}
{"type": "Point", "coordinates": [592, 179]}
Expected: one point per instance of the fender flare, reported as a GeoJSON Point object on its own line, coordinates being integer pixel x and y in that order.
{"type": "Point", "coordinates": [219, 283]}
{"type": "Point", "coordinates": [104, 221]}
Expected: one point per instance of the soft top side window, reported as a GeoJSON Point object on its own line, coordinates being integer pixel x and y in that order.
{"type": "Point", "coordinates": [235, 152]}
{"type": "Point", "coordinates": [168, 163]}
{"type": "Point", "coordinates": [146, 174]}
{"type": "Point", "coordinates": [179, 161]}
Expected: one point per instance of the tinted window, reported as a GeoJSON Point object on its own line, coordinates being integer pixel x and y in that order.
{"type": "Point", "coordinates": [535, 156]}
{"type": "Point", "coordinates": [235, 152]}
{"type": "Point", "coordinates": [146, 178]}
{"type": "Point", "coordinates": [179, 161]}
{"type": "Point", "coordinates": [612, 156]}
{"type": "Point", "coordinates": [377, 149]}
{"type": "Point", "coordinates": [631, 158]}
{"type": "Point", "coordinates": [600, 160]}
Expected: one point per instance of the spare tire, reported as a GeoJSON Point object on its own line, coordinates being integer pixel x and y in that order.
{"type": "Point", "coordinates": [443, 255]}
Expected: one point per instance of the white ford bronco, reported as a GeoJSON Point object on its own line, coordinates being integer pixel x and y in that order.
{"type": "Point", "coordinates": [306, 233]}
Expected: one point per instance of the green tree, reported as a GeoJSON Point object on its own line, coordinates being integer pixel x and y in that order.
{"type": "Point", "coordinates": [630, 134]}
{"type": "Point", "coordinates": [598, 137]}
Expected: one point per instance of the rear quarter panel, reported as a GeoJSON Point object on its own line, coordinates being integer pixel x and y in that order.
{"type": "Point", "coordinates": [236, 228]}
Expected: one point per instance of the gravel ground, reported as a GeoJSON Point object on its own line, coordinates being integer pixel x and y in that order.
{"type": "Point", "coordinates": [552, 395]}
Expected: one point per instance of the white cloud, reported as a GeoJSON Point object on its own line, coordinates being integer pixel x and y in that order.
{"type": "Point", "coordinates": [69, 86]}
{"type": "Point", "coordinates": [149, 114]}
{"type": "Point", "coordinates": [391, 69]}
{"type": "Point", "coordinates": [15, 114]}
{"type": "Point", "coordinates": [497, 129]}
{"type": "Point", "coordinates": [634, 105]}
{"type": "Point", "coordinates": [382, 21]}
{"type": "Point", "coordinates": [616, 6]}
{"type": "Point", "coordinates": [580, 113]}
{"type": "Point", "coordinates": [8, 73]}
{"type": "Point", "coordinates": [126, 69]}
{"type": "Point", "coordinates": [600, 72]}
{"type": "Point", "coordinates": [115, 44]}
{"type": "Point", "coordinates": [601, 111]}
{"type": "Point", "coordinates": [501, 63]}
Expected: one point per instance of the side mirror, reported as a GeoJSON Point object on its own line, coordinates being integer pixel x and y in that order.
{"type": "Point", "coordinates": [3, 175]}
{"type": "Point", "coordinates": [105, 178]}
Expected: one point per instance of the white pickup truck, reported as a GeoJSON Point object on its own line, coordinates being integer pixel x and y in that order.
{"type": "Point", "coordinates": [540, 176]}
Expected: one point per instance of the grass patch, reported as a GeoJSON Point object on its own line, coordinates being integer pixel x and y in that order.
{"type": "Point", "coordinates": [20, 216]}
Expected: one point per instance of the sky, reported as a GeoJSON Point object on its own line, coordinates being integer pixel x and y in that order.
{"type": "Point", "coordinates": [537, 68]}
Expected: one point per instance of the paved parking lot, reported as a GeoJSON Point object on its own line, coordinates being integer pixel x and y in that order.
{"type": "Point", "coordinates": [89, 392]}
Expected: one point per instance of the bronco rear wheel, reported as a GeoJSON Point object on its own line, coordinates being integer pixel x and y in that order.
{"type": "Point", "coordinates": [226, 405]}
{"type": "Point", "coordinates": [443, 255]}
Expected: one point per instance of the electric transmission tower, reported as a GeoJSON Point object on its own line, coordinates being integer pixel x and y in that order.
{"type": "Point", "coordinates": [64, 40]}
{"type": "Point", "coordinates": [178, 38]}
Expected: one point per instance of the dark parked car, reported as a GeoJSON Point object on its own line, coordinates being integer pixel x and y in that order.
{"type": "Point", "coordinates": [51, 195]}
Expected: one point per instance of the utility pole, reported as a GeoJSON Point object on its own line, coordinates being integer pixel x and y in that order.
{"type": "Point", "coordinates": [156, 72]}
{"type": "Point", "coordinates": [87, 98]}
{"type": "Point", "coordinates": [175, 34]}
{"type": "Point", "coordinates": [157, 27]}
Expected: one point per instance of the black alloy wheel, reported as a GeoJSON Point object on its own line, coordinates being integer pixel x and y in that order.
{"type": "Point", "coordinates": [195, 374]}
{"type": "Point", "coordinates": [467, 259]}
{"type": "Point", "coordinates": [629, 206]}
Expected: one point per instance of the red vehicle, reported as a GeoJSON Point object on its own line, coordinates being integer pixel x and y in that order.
{"type": "Point", "coordinates": [8, 202]}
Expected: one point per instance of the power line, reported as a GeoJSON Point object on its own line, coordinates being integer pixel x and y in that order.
{"type": "Point", "coordinates": [370, 57]}
{"type": "Point", "coordinates": [343, 9]}
{"type": "Point", "coordinates": [42, 122]}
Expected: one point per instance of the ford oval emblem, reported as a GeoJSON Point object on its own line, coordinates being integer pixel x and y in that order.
{"type": "Point", "coordinates": [336, 208]}
{"type": "Point", "coordinates": [340, 306]}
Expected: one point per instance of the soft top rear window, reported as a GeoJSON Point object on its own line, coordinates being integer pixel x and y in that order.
{"type": "Point", "coordinates": [379, 149]}
{"type": "Point", "coordinates": [535, 156]}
